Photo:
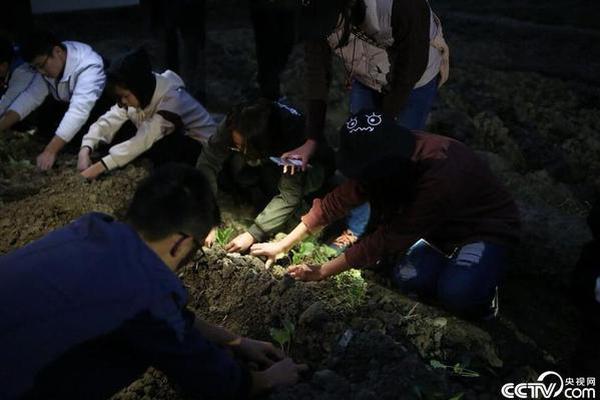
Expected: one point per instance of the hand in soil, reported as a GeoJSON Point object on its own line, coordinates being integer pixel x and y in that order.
{"type": "Point", "coordinates": [271, 250]}
{"type": "Point", "coordinates": [45, 160]}
{"type": "Point", "coordinates": [304, 272]}
{"type": "Point", "coordinates": [283, 373]}
{"type": "Point", "coordinates": [83, 160]}
{"type": "Point", "coordinates": [240, 243]}
{"type": "Point", "coordinates": [262, 353]}
{"type": "Point", "coordinates": [94, 171]}
{"type": "Point", "coordinates": [210, 239]}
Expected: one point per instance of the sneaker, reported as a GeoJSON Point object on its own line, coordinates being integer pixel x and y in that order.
{"type": "Point", "coordinates": [346, 239]}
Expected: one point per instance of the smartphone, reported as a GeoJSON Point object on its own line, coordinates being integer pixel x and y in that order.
{"type": "Point", "coordinates": [288, 161]}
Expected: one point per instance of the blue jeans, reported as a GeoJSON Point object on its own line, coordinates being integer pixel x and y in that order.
{"type": "Point", "coordinates": [464, 283]}
{"type": "Point", "coordinates": [413, 116]}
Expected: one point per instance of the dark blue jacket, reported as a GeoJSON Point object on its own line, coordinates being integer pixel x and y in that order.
{"type": "Point", "coordinates": [95, 278]}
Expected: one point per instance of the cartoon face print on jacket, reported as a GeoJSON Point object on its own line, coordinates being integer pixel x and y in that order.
{"type": "Point", "coordinates": [364, 122]}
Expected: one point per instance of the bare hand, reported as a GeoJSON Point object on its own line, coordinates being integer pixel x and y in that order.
{"type": "Point", "coordinates": [284, 373]}
{"type": "Point", "coordinates": [94, 171]}
{"type": "Point", "coordinates": [240, 243]}
{"type": "Point", "coordinates": [272, 250]}
{"type": "Point", "coordinates": [302, 153]}
{"type": "Point", "coordinates": [262, 353]}
{"type": "Point", "coordinates": [210, 239]}
{"type": "Point", "coordinates": [46, 160]}
{"type": "Point", "coordinates": [304, 272]}
{"type": "Point", "coordinates": [440, 43]}
{"type": "Point", "coordinates": [83, 160]}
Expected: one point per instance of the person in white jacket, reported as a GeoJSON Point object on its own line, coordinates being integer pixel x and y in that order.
{"type": "Point", "coordinates": [72, 73]}
{"type": "Point", "coordinates": [15, 74]}
{"type": "Point", "coordinates": [168, 119]}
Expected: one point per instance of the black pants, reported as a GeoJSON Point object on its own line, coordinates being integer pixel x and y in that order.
{"type": "Point", "coordinates": [274, 35]}
{"type": "Point", "coordinates": [50, 113]}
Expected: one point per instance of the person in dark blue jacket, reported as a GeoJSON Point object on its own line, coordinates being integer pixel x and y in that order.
{"type": "Point", "coordinates": [89, 307]}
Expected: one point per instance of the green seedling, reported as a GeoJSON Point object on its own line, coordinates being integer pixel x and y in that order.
{"type": "Point", "coordinates": [457, 369]}
{"type": "Point", "coordinates": [224, 235]}
{"type": "Point", "coordinates": [352, 285]}
{"type": "Point", "coordinates": [311, 252]}
{"type": "Point", "coordinates": [284, 336]}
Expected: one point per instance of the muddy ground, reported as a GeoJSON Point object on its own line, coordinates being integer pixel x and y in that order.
{"type": "Point", "coordinates": [524, 91]}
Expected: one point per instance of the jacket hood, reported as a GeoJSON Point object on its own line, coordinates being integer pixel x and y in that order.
{"type": "Point", "coordinates": [134, 72]}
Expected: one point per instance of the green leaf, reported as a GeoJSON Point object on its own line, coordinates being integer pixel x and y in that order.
{"type": "Point", "coordinates": [281, 336]}
{"type": "Point", "coordinates": [436, 364]}
{"type": "Point", "coordinates": [457, 396]}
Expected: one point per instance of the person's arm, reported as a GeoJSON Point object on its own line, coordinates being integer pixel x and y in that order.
{"type": "Point", "coordinates": [148, 133]}
{"type": "Point", "coordinates": [25, 103]}
{"type": "Point", "coordinates": [335, 205]}
{"type": "Point", "coordinates": [88, 88]}
{"type": "Point", "coordinates": [317, 78]}
{"type": "Point", "coordinates": [213, 155]}
{"type": "Point", "coordinates": [20, 80]}
{"type": "Point", "coordinates": [306, 272]}
{"type": "Point", "coordinates": [408, 55]}
{"type": "Point", "coordinates": [280, 208]}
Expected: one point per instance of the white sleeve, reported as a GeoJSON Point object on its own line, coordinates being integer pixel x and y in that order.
{"type": "Point", "coordinates": [20, 80]}
{"type": "Point", "coordinates": [147, 134]}
{"type": "Point", "coordinates": [88, 88]}
{"type": "Point", "coordinates": [31, 97]}
{"type": "Point", "coordinates": [104, 129]}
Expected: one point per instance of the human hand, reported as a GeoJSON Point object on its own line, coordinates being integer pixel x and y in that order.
{"type": "Point", "coordinates": [302, 153]}
{"type": "Point", "coordinates": [262, 353]}
{"type": "Point", "coordinates": [211, 237]}
{"type": "Point", "coordinates": [240, 243]}
{"type": "Point", "coordinates": [440, 43]}
{"type": "Point", "coordinates": [272, 250]}
{"type": "Point", "coordinates": [45, 160]}
{"type": "Point", "coordinates": [94, 171]}
{"type": "Point", "coordinates": [305, 272]}
{"type": "Point", "coordinates": [83, 160]}
{"type": "Point", "coordinates": [283, 373]}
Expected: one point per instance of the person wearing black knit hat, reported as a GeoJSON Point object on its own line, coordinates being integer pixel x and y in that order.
{"type": "Point", "coordinates": [171, 124]}
{"type": "Point", "coordinates": [444, 223]}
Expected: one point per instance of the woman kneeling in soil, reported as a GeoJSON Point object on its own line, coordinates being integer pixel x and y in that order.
{"type": "Point", "coordinates": [250, 134]}
{"type": "Point", "coordinates": [444, 224]}
{"type": "Point", "coordinates": [170, 124]}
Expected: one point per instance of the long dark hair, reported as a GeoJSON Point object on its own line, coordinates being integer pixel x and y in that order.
{"type": "Point", "coordinates": [352, 14]}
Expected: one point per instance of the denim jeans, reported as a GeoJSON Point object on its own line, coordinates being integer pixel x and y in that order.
{"type": "Point", "coordinates": [413, 116]}
{"type": "Point", "coordinates": [464, 283]}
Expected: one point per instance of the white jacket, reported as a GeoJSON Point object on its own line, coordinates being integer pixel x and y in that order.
{"type": "Point", "coordinates": [170, 96]}
{"type": "Point", "coordinates": [81, 85]}
{"type": "Point", "coordinates": [20, 79]}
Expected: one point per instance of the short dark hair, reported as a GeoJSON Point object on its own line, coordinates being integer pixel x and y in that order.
{"type": "Point", "coordinates": [259, 124]}
{"type": "Point", "coordinates": [38, 43]}
{"type": "Point", "coordinates": [175, 198]}
{"type": "Point", "coordinates": [7, 50]}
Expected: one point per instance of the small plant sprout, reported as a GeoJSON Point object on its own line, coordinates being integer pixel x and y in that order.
{"type": "Point", "coordinates": [224, 235]}
{"type": "Point", "coordinates": [311, 252]}
{"type": "Point", "coordinates": [284, 336]}
{"type": "Point", "coordinates": [457, 369]}
{"type": "Point", "coordinates": [352, 285]}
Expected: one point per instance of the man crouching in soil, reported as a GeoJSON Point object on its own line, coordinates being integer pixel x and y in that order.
{"type": "Point", "coordinates": [87, 309]}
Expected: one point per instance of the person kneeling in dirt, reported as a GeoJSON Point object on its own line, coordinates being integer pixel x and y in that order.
{"type": "Point", "coordinates": [253, 132]}
{"type": "Point", "coordinates": [88, 308]}
{"type": "Point", "coordinates": [15, 75]}
{"type": "Point", "coordinates": [586, 293]}
{"type": "Point", "coordinates": [67, 92]}
{"type": "Point", "coordinates": [170, 124]}
{"type": "Point", "coordinates": [425, 189]}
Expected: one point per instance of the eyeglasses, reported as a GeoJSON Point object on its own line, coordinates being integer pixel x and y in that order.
{"type": "Point", "coordinates": [41, 66]}
{"type": "Point", "coordinates": [181, 239]}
